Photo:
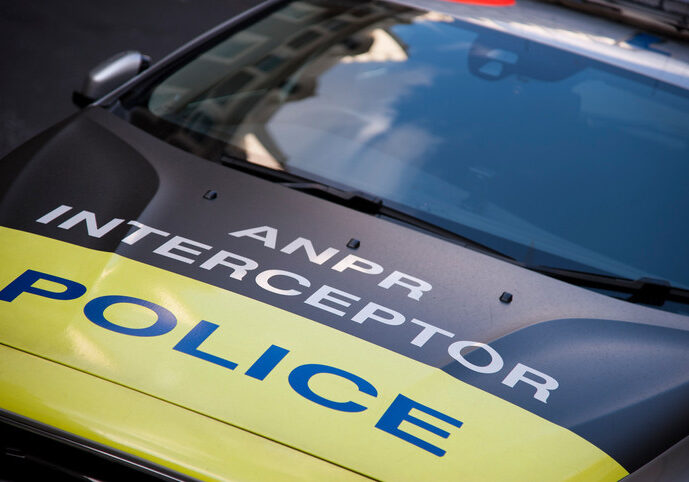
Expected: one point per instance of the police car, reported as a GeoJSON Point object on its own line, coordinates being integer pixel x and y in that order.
{"type": "Point", "coordinates": [332, 239]}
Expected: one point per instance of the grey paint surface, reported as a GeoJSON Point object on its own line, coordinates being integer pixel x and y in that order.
{"type": "Point", "coordinates": [466, 284]}
{"type": "Point", "coordinates": [615, 362]}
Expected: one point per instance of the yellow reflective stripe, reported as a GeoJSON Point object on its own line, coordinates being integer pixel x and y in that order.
{"type": "Point", "coordinates": [497, 441]}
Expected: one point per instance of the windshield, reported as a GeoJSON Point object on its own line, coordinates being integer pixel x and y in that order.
{"type": "Point", "coordinates": [548, 156]}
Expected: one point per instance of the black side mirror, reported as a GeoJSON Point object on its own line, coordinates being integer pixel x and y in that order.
{"type": "Point", "coordinates": [109, 75]}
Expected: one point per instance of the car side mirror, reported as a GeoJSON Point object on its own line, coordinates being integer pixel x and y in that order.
{"type": "Point", "coordinates": [109, 75]}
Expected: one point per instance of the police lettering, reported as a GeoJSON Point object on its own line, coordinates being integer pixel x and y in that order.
{"type": "Point", "coordinates": [283, 283]}
{"type": "Point", "coordinates": [22, 288]}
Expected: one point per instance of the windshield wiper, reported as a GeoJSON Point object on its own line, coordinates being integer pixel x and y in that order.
{"type": "Point", "coordinates": [648, 291]}
{"type": "Point", "coordinates": [372, 205]}
{"type": "Point", "coordinates": [358, 201]}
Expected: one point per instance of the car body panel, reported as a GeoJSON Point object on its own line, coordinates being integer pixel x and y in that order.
{"type": "Point", "coordinates": [278, 370]}
{"type": "Point", "coordinates": [59, 331]}
{"type": "Point", "coordinates": [383, 354]}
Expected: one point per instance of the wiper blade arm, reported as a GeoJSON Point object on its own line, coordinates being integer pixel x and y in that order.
{"type": "Point", "coordinates": [649, 291]}
{"type": "Point", "coordinates": [358, 201]}
{"type": "Point", "coordinates": [257, 170]}
{"type": "Point", "coordinates": [372, 205]}
{"type": "Point", "coordinates": [443, 233]}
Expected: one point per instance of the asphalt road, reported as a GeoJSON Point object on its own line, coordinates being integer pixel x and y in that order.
{"type": "Point", "coordinates": [48, 46]}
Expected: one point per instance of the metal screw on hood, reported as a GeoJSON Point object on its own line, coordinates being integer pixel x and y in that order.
{"type": "Point", "coordinates": [353, 244]}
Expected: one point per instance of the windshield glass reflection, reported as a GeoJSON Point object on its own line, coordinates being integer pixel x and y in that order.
{"type": "Point", "coordinates": [551, 157]}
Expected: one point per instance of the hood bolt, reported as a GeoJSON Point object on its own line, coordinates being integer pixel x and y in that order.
{"type": "Point", "coordinates": [353, 244]}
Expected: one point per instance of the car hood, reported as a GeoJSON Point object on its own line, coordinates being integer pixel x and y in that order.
{"type": "Point", "coordinates": [339, 334]}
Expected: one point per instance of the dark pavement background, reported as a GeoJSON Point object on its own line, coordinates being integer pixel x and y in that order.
{"type": "Point", "coordinates": [47, 46]}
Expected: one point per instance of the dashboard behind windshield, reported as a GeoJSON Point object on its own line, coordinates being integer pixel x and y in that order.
{"type": "Point", "coordinates": [543, 151]}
